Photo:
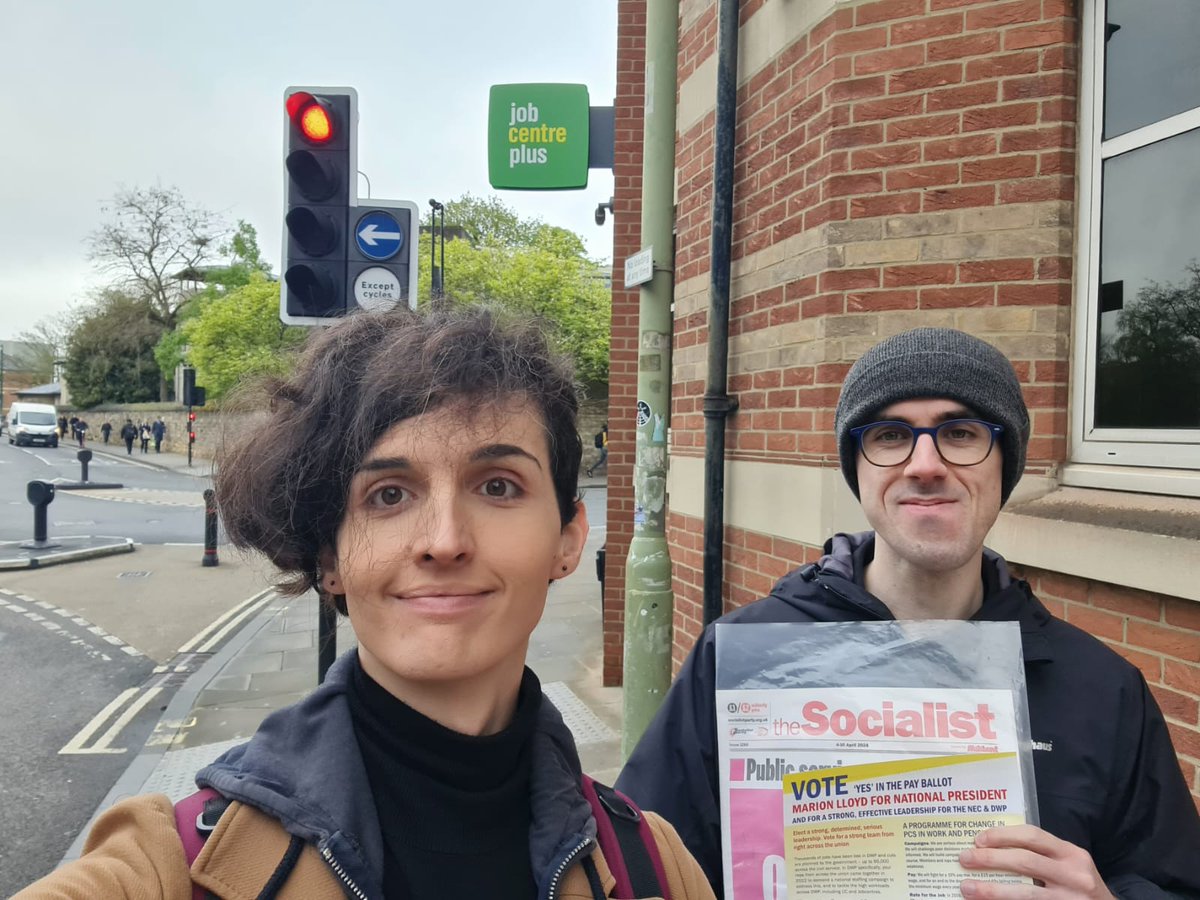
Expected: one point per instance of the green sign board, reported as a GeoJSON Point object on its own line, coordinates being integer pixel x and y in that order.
{"type": "Point", "coordinates": [538, 136]}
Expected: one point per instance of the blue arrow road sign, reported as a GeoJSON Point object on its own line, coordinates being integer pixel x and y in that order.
{"type": "Point", "coordinates": [378, 235]}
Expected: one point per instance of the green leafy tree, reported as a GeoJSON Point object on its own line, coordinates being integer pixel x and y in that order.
{"type": "Point", "coordinates": [245, 263]}
{"type": "Point", "coordinates": [1149, 372]}
{"type": "Point", "coordinates": [533, 268]}
{"type": "Point", "coordinates": [238, 334]}
{"type": "Point", "coordinates": [488, 221]}
{"type": "Point", "coordinates": [245, 257]}
{"type": "Point", "coordinates": [110, 352]}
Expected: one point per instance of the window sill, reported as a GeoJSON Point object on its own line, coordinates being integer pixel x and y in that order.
{"type": "Point", "coordinates": [1139, 479]}
{"type": "Point", "coordinates": [1150, 543]}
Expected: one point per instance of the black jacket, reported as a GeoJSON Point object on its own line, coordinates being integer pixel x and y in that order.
{"type": "Point", "coordinates": [304, 768]}
{"type": "Point", "coordinates": [1107, 776]}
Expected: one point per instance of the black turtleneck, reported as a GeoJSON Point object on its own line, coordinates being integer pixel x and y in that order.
{"type": "Point", "coordinates": [454, 809]}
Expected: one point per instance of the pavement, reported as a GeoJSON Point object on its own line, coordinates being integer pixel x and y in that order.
{"type": "Point", "coordinates": [174, 462]}
{"type": "Point", "coordinates": [270, 661]}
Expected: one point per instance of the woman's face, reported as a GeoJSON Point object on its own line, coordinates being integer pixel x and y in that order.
{"type": "Point", "coordinates": [450, 539]}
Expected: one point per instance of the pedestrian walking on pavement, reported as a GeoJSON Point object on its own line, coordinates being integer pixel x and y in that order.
{"type": "Point", "coordinates": [106, 430]}
{"type": "Point", "coordinates": [145, 434]}
{"type": "Point", "coordinates": [81, 428]}
{"type": "Point", "coordinates": [159, 430]}
{"type": "Point", "coordinates": [601, 441]}
{"type": "Point", "coordinates": [429, 764]}
{"type": "Point", "coordinates": [62, 426]}
{"type": "Point", "coordinates": [128, 433]}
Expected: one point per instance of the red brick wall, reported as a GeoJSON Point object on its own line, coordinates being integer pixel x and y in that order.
{"type": "Point", "coordinates": [622, 395]}
{"type": "Point", "coordinates": [895, 111]}
{"type": "Point", "coordinates": [922, 152]}
{"type": "Point", "coordinates": [1158, 634]}
{"type": "Point", "coordinates": [753, 563]}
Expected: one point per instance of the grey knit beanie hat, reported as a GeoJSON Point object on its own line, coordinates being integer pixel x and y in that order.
{"type": "Point", "coordinates": [934, 362]}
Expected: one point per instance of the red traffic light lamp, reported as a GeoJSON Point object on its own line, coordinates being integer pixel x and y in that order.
{"type": "Point", "coordinates": [312, 116]}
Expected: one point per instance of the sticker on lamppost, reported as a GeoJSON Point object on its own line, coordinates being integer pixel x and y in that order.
{"type": "Point", "coordinates": [377, 289]}
{"type": "Point", "coordinates": [639, 268]}
{"type": "Point", "coordinates": [538, 136]}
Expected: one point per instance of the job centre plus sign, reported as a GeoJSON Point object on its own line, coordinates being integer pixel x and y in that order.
{"type": "Point", "coordinates": [521, 136]}
{"type": "Point", "coordinates": [538, 136]}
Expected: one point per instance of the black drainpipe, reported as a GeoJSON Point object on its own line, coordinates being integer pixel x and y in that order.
{"type": "Point", "coordinates": [717, 403]}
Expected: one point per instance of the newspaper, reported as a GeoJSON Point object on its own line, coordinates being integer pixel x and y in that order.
{"type": "Point", "coordinates": [860, 791]}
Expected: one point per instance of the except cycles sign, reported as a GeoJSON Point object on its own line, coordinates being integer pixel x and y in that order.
{"type": "Point", "coordinates": [538, 136]}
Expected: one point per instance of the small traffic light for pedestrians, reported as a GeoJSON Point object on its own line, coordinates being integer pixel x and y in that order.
{"type": "Point", "coordinates": [191, 417]}
{"type": "Point", "coordinates": [320, 162]}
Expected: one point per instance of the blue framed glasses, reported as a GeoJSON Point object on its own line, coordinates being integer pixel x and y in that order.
{"type": "Point", "coordinates": [960, 442]}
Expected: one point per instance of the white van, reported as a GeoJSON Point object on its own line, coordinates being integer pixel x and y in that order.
{"type": "Point", "coordinates": [32, 423]}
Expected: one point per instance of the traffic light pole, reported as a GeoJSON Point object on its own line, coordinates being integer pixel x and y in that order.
{"type": "Point", "coordinates": [190, 433]}
{"type": "Point", "coordinates": [437, 274]}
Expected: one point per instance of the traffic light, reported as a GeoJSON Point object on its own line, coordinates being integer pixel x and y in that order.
{"type": "Point", "coordinates": [191, 427]}
{"type": "Point", "coordinates": [320, 171]}
{"type": "Point", "coordinates": [192, 395]}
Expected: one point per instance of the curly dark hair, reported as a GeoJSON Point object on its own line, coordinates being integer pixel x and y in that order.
{"type": "Point", "coordinates": [282, 490]}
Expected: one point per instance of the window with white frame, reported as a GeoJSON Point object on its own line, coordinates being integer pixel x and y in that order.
{"type": "Point", "coordinates": [1137, 368]}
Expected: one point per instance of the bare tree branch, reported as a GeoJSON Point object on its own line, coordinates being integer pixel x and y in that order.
{"type": "Point", "coordinates": [152, 235]}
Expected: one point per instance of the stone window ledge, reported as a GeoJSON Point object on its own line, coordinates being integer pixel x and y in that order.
{"type": "Point", "coordinates": [1141, 541]}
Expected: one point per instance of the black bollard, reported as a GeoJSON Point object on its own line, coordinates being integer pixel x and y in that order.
{"type": "Point", "coordinates": [40, 494]}
{"type": "Point", "coordinates": [601, 554]}
{"type": "Point", "coordinates": [326, 638]}
{"type": "Point", "coordinates": [84, 457]}
{"type": "Point", "coordinates": [210, 529]}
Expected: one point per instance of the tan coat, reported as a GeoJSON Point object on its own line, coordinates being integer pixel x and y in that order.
{"type": "Point", "coordinates": [134, 852]}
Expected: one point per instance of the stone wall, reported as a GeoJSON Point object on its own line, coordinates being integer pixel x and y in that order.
{"type": "Point", "coordinates": [213, 426]}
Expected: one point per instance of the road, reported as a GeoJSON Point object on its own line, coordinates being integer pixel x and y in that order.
{"type": "Point", "coordinates": [91, 652]}
{"type": "Point", "coordinates": [154, 507]}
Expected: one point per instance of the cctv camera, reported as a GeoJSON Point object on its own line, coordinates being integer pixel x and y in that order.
{"type": "Point", "coordinates": [600, 214]}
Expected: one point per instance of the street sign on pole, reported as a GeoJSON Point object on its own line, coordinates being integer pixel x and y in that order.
{"type": "Point", "coordinates": [378, 236]}
{"type": "Point", "coordinates": [639, 268]}
{"type": "Point", "coordinates": [377, 288]}
{"type": "Point", "coordinates": [381, 255]}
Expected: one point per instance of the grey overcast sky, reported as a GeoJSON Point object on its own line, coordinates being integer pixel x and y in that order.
{"type": "Point", "coordinates": [98, 95]}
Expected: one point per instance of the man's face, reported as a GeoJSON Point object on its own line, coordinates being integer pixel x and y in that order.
{"type": "Point", "coordinates": [931, 515]}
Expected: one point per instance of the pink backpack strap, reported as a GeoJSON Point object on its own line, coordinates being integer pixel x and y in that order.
{"type": "Point", "coordinates": [627, 843]}
{"type": "Point", "coordinates": [193, 832]}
